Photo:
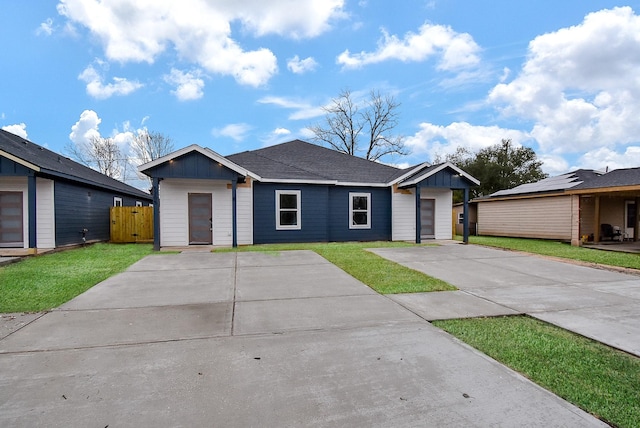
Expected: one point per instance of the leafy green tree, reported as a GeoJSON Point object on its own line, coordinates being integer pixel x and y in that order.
{"type": "Point", "coordinates": [501, 166]}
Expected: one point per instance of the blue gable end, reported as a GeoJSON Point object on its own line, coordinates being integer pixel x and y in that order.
{"type": "Point", "coordinates": [11, 168]}
{"type": "Point", "coordinates": [192, 165]}
{"type": "Point", "coordinates": [324, 214]}
{"type": "Point", "coordinates": [446, 178]}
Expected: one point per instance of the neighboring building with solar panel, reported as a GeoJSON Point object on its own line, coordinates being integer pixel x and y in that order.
{"type": "Point", "coordinates": [583, 205]}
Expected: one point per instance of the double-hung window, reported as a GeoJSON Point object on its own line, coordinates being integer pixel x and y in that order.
{"type": "Point", "coordinates": [359, 210]}
{"type": "Point", "coordinates": [288, 210]}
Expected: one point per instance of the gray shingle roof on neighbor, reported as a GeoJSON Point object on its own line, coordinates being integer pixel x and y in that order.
{"type": "Point", "coordinates": [57, 165]}
{"type": "Point", "coordinates": [571, 180]}
{"type": "Point", "coordinates": [615, 178]}
{"type": "Point", "coordinates": [298, 160]}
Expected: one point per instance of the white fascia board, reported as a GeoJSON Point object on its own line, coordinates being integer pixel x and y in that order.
{"type": "Point", "coordinates": [325, 182]}
{"type": "Point", "coordinates": [410, 173]}
{"type": "Point", "coordinates": [22, 162]}
{"type": "Point", "coordinates": [293, 181]}
{"type": "Point", "coordinates": [345, 183]}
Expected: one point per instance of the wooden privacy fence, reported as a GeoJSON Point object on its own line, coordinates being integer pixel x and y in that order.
{"type": "Point", "coordinates": [131, 224]}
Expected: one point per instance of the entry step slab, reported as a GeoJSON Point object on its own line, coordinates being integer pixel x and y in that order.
{"type": "Point", "coordinates": [442, 305]}
{"type": "Point", "coordinates": [82, 329]}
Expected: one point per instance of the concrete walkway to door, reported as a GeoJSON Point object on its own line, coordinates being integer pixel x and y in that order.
{"type": "Point", "coordinates": [254, 339]}
{"type": "Point", "coordinates": [600, 304]}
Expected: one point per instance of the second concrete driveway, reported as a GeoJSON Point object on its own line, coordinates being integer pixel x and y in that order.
{"type": "Point", "coordinates": [596, 303]}
{"type": "Point", "coordinates": [251, 339]}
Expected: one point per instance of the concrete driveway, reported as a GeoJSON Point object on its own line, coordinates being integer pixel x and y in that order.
{"type": "Point", "coordinates": [254, 339]}
{"type": "Point", "coordinates": [601, 304]}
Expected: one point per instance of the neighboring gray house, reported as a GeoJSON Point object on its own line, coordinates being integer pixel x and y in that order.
{"type": "Point", "coordinates": [48, 201]}
{"type": "Point", "coordinates": [297, 192]}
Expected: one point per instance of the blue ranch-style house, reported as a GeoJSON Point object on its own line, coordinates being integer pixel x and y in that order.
{"type": "Point", "coordinates": [49, 201]}
{"type": "Point", "coordinates": [297, 192]}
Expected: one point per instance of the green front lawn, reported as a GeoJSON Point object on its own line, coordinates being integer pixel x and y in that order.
{"type": "Point", "coordinates": [44, 282]}
{"type": "Point", "coordinates": [600, 380]}
{"type": "Point", "coordinates": [382, 275]}
{"type": "Point", "coordinates": [560, 249]}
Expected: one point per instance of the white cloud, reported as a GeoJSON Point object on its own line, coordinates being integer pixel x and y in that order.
{"type": "Point", "coordinates": [604, 157]}
{"type": "Point", "coordinates": [189, 85]}
{"type": "Point", "coordinates": [434, 140]}
{"type": "Point", "coordinates": [281, 131]}
{"type": "Point", "coordinates": [301, 66]}
{"type": "Point", "coordinates": [455, 50]}
{"type": "Point", "coordinates": [580, 85]}
{"type": "Point", "coordinates": [200, 31]}
{"type": "Point", "coordinates": [19, 129]}
{"type": "Point", "coordinates": [97, 89]}
{"type": "Point", "coordinates": [45, 27]}
{"type": "Point", "coordinates": [235, 131]}
{"type": "Point", "coordinates": [302, 110]}
{"type": "Point", "coordinates": [85, 128]}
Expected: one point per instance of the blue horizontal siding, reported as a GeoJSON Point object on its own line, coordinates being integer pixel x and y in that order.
{"type": "Point", "coordinates": [313, 203]}
{"type": "Point", "coordinates": [79, 207]}
{"type": "Point", "coordinates": [380, 215]}
{"type": "Point", "coordinates": [324, 214]}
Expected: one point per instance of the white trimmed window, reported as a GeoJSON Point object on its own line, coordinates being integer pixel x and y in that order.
{"type": "Point", "coordinates": [288, 210]}
{"type": "Point", "coordinates": [359, 210]}
{"type": "Point", "coordinates": [138, 204]}
{"type": "Point", "coordinates": [117, 202]}
{"type": "Point", "coordinates": [460, 218]}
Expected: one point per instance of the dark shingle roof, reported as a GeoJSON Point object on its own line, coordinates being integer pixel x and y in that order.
{"type": "Point", "coordinates": [570, 180]}
{"type": "Point", "coordinates": [298, 160]}
{"type": "Point", "coordinates": [615, 178]}
{"type": "Point", "coordinates": [53, 164]}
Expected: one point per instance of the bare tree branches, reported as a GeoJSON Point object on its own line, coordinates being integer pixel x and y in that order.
{"type": "Point", "coordinates": [148, 146]}
{"type": "Point", "coordinates": [101, 154]}
{"type": "Point", "coordinates": [347, 122]}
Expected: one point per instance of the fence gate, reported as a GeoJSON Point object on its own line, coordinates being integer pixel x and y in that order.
{"type": "Point", "coordinates": [131, 224]}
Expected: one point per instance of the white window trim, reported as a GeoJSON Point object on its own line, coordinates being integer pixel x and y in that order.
{"type": "Point", "coordinates": [117, 202]}
{"type": "Point", "coordinates": [138, 204]}
{"type": "Point", "coordinates": [461, 218]}
{"type": "Point", "coordinates": [298, 210]}
{"type": "Point", "coordinates": [351, 211]}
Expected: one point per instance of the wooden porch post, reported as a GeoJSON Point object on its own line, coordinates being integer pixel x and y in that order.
{"type": "Point", "coordinates": [156, 214]}
{"type": "Point", "coordinates": [418, 225]}
{"type": "Point", "coordinates": [234, 213]}
{"type": "Point", "coordinates": [637, 221]}
{"type": "Point", "coordinates": [31, 201]}
{"type": "Point", "coordinates": [465, 217]}
{"type": "Point", "coordinates": [596, 234]}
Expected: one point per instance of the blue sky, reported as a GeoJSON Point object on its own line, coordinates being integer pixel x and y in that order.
{"type": "Point", "coordinates": [561, 77]}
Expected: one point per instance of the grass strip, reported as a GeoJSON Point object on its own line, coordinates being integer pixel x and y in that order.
{"type": "Point", "coordinates": [560, 249]}
{"type": "Point", "coordinates": [600, 380]}
{"type": "Point", "coordinates": [44, 282]}
{"type": "Point", "coordinates": [382, 275]}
